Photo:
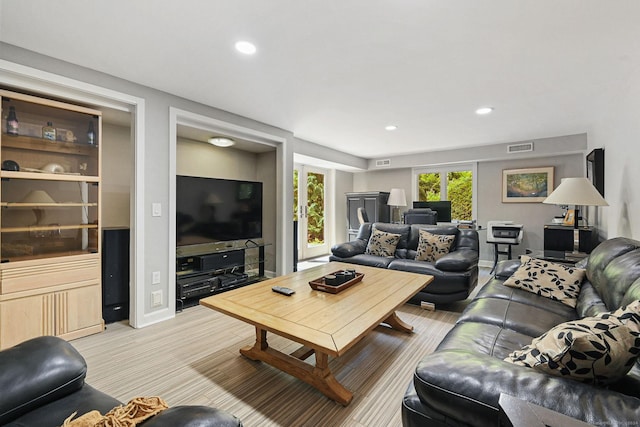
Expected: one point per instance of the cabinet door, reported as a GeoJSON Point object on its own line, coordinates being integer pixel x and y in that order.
{"type": "Point", "coordinates": [25, 318]}
{"type": "Point", "coordinates": [353, 203]}
{"type": "Point", "coordinates": [78, 311]}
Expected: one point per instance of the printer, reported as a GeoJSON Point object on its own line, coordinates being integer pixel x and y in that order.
{"type": "Point", "coordinates": [505, 232]}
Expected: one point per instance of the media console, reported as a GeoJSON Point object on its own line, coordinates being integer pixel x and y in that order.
{"type": "Point", "coordinates": [202, 272]}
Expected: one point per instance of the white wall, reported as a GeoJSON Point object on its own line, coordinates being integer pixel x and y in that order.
{"type": "Point", "coordinates": [343, 184]}
{"type": "Point", "coordinates": [156, 166]}
{"type": "Point", "coordinates": [618, 132]}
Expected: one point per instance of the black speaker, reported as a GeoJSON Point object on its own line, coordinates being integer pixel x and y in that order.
{"type": "Point", "coordinates": [115, 274]}
{"type": "Point", "coordinates": [221, 261]}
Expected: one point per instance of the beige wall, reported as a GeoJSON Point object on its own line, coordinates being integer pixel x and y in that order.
{"type": "Point", "coordinates": [117, 172]}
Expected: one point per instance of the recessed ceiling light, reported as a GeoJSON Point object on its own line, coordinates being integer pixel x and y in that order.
{"type": "Point", "coordinates": [221, 141]}
{"type": "Point", "coordinates": [246, 47]}
{"type": "Point", "coordinates": [484, 110]}
{"type": "Point", "coordinates": [391, 127]}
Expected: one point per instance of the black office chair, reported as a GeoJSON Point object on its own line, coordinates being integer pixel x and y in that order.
{"type": "Point", "coordinates": [420, 216]}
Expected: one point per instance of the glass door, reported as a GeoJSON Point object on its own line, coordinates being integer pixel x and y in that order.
{"type": "Point", "coordinates": [310, 205]}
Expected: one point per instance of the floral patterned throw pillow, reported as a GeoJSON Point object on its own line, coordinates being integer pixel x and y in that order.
{"type": "Point", "coordinates": [548, 279]}
{"type": "Point", "coordinates": [382, 244]}
{"type": "Point", "coordinates": [596, 350]}
{"type": "Point", "coordinates": [432, 247]}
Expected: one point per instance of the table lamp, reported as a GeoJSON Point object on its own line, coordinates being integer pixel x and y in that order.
{"type": "Point", "coordinates": [397, 198]}
{"type": "Point", "coordinates": [577, 192]}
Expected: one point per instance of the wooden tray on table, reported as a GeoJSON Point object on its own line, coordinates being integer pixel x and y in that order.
{"type": "Point", "coordinates": [320, 285]}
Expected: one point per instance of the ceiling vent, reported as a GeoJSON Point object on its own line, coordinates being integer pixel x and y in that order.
{"type": "Point", "coordinates": [520, 148]}
{"type": "Point", "coordinates": [383, 163]}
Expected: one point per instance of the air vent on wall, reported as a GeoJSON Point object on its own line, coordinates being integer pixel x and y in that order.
{"type": "Point", "coordinates": [519, 148]}
{"type": "Point", "coordinates": [383, 163]}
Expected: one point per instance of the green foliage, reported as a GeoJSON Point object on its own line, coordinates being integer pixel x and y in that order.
{"type": "Point", "coordinates": [315, 212]}
{"type": "Point", "coordinates": [429, 187]}
{"type": "Point", "coordinates": [295, 194]}
{"type": "Point", "coordinates": [459, 191]}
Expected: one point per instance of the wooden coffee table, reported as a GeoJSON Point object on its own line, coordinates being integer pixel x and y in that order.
{"type": "Point", "coordinates": [325, 324]}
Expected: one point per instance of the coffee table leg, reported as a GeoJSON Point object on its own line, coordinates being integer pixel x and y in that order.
{"type": "Point", "coordinates": [396, 323]}
{"type": "Point", "coordinates": [318, 376]}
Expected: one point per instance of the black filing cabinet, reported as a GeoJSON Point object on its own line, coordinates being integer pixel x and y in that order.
{"type": "Point", "coordinates": [560, 238]}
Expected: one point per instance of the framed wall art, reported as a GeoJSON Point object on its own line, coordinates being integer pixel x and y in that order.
{"type": "Point", "coordinates": [531, 185]}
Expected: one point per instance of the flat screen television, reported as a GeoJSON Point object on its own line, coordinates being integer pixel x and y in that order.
{"type": "Point", "coordinates": [443, 207]}
{"type": "Point", "coordinates": [210, 210]}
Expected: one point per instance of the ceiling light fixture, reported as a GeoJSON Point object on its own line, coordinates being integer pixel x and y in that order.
{"type": "Point", "coordinates": [246, 47]}
{"type": "Point", "coordinates": [220, 141]}
{"type": "Point", "coordinates": [484, 110]}
{"type": "Point", "coordinates": [391, 127]}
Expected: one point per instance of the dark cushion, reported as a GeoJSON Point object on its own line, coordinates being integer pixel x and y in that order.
{"type": "Point", "coordinates": [193, 416]}
{"type": "Point", "coordinates": [460, 260]}
{"type": "Point", "coordinates": [414, 236]}
{"type": "Point", "coordinates": [49, 369]}
{"type": "Point", "coordinates": [364, 259]}
{"type": "Point", "coordinates": [401, 229]}
{"type": "Point", "coordinates": [54, 413]}
{"type": "Point", "coordinates": [514, 315]}
{"type": "Point", "coordinates": [612, 267]}
{"type": "Point", "coordinates": [466, 386]}
{"type": "Point", "coordinates": [348, 249]}
{"type": "Point", "coordinates": [491, 340]}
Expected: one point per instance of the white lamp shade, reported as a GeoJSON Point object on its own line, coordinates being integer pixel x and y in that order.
{"type": "Point", "coordinates": [397, 197]}
{"type": "Point", "coordinates": [575, 191]}
{"type": "Point", "coordinates": [38, 196]}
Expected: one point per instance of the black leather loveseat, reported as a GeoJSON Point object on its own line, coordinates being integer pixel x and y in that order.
{"type": "Point", "coordinates": [460, 383]}
{"type": "Point", "coordinates": [455, 274]}
{"type": "Point", "coordinates": [42, 384]}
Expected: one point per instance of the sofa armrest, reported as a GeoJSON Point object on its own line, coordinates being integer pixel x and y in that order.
{"type": "Point", "coordinates": [466, 386]}
{"type": "Point", "coordinates": [349, 249]}
{"type": "Point", "coordinates": [37, 372]}
{"type": "Point", "coordinates": [460, 260]}
{"type": "Point", "coordinates": [506, 268]}
{"type": "Point", "coordinates": [193, 416]}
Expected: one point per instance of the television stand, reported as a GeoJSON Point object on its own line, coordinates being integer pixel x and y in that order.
{"type": "Point", "coordinates": [204, 271]}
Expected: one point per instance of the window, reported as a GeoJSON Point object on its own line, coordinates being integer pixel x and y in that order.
{"type": "Point", "coordinates": [454, 183]}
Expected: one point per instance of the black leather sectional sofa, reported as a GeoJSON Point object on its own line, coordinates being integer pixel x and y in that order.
{"type": "Point", "coordinates": [42, 384]}
{"type": "Point", "coordinates": [455, 274]}
{"type": "Point", "coordinates": [460, 383]}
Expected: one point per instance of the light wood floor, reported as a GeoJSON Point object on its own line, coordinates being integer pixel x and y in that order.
{"type": "Point", "coordinates": [193, 359]}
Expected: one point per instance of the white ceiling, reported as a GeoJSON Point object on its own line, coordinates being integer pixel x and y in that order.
{"type": "Point", "coordinates": [337, 72]}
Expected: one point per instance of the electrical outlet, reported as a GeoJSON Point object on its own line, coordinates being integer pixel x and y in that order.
{"type": "Point", "coordinates": [156, 209]}
{"type": "Point", "coordinates": [155, 278]}
{"type": "Point", "coordinates": [156, 298]}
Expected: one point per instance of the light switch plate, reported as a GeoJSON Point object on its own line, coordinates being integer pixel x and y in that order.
{"type": "Point", "coordinates": [155, 278]}
{"type": "Point", "coordinates": [156, 209]}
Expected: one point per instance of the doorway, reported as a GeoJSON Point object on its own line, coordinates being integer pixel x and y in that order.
{"type": "Point", "coordinates": [310, 210]}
